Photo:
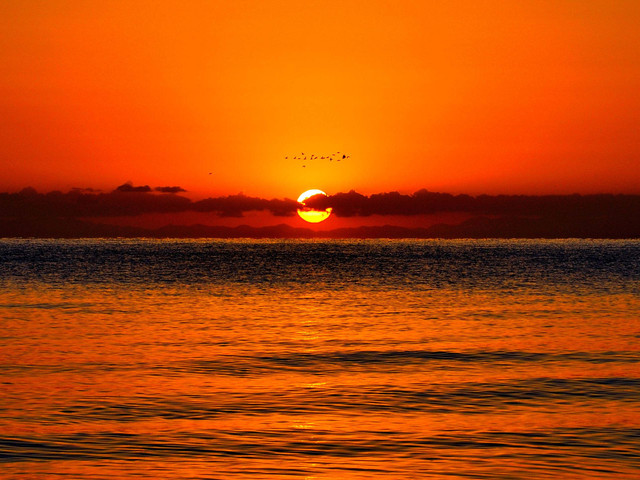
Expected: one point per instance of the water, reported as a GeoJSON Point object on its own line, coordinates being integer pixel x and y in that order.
{"type": "Point", "coordinates": [319, 359]}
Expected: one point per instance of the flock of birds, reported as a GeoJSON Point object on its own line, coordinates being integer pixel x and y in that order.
{"type": "Point", "coordinates": [337, 156]}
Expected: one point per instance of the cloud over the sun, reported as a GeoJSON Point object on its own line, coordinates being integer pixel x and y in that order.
{"type": "Point", "coordinates": [353, 204]}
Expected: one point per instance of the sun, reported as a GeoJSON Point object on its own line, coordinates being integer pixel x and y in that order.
{"type": "Point", "coordinates": [312, 216]}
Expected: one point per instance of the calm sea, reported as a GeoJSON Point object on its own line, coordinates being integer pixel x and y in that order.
{"type": "Point", "coordinates": [319, 359]}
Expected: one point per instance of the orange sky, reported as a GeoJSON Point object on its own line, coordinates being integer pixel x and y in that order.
{"type": "Point", "coordinates": [466, 96]}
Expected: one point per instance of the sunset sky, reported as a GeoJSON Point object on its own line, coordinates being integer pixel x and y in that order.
{"type": "Point", "coordinates": [476, 97]}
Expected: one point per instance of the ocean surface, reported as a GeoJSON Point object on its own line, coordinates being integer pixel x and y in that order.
{"type": "Point", "coordinates": [319, 359]}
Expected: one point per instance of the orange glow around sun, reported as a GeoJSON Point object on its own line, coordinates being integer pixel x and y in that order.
{"type": "Point", "coordinates": [462, 97]}
{"type": "Point", "coordinates": [312, 216]}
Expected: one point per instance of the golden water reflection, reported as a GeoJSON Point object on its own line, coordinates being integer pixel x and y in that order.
{"type": "Point", "coordinates": [352, 381]}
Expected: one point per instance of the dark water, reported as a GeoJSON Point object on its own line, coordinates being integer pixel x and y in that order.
{"type": "Point", "coordinates": [319, 359]}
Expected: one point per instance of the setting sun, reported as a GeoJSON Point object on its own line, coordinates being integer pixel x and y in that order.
{"type": "Point", "coordinates": [309, 215]}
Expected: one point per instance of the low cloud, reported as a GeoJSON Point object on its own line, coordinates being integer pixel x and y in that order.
{"type": "Point", "coordinates": [130, 200]}
{"type": "Point", "coordinates": [354, 204]}
{"type": "Point", "coordinates": [129, 188]}
{"type": "Point", "coordinates": [236, 205]}
{"type": "Point", "coordinates": [169, 189]}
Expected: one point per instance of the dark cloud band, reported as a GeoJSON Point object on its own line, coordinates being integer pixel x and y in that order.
{"type": "Point", "coordinates": [422, 202]}
{"type": "Point", "coordinates": [129, 200]}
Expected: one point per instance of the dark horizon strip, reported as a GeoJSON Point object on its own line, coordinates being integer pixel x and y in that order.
{"type": "Point", "coordinates": [129, 200]}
